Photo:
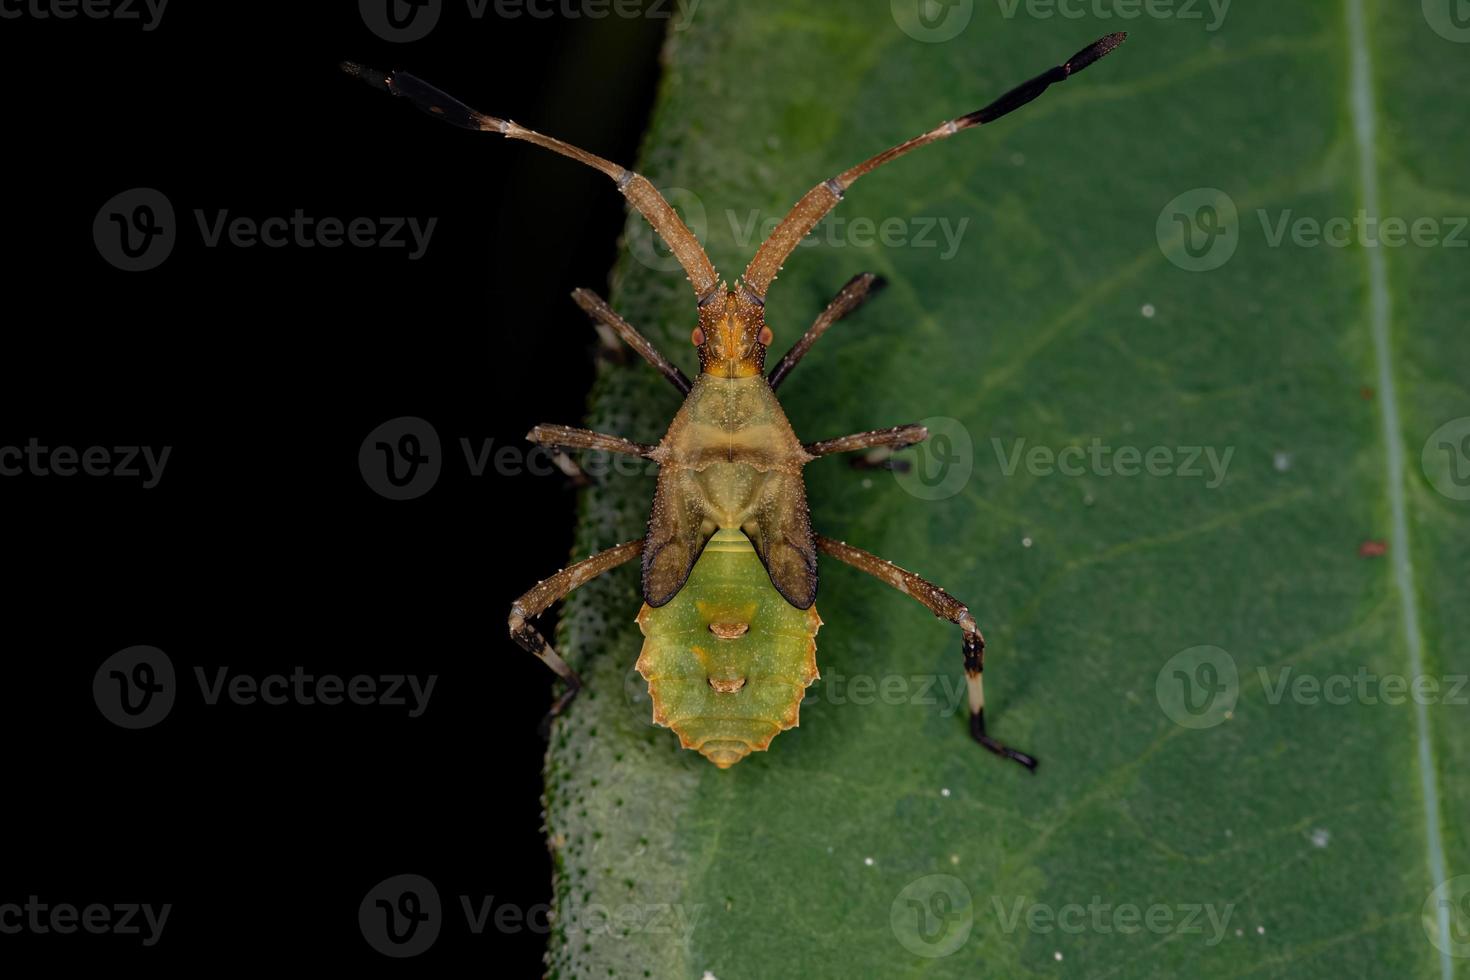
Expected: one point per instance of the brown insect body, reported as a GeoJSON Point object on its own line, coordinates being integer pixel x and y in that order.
{"type": "Point", "coordinates": [725, 660]}
{"type": "Point", "coordinates": [730, 460]}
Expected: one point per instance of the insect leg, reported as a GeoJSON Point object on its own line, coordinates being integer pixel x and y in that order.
{"type": "Point", "coordinates": [566, 437]}
{"type": "Point", "coordinates": [815, 204]}
{"type": "Point", "coordinates": [539, 599]}
{"type": "Point", "coordinates": [945, 606]}
{"type": "Point", "coordinates": [636, 188]}
{"type": "Point", "coordinates": [887, 440]}
{"type": "Point", "coordinates": [596, 307]}
{"type": "Point", "coordinates": [558, 438]}
{"type": "Point", "coordinates": [848, 298]}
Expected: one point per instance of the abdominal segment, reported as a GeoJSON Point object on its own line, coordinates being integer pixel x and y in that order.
{"type": "Point", "coordinates": [728, 660]}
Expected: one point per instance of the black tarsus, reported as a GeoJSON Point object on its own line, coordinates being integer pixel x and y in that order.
{"type": "Point", "coordinates": [977, 730]}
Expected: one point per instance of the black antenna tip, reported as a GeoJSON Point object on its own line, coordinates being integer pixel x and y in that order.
{"type": "Point", "coordinates": [371, 76]}
{"type": "Point", "coordinates": [1097, 49]}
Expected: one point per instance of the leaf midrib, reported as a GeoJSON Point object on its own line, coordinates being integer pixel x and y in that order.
{"type": "Point", "coordinates": [1364, 117]}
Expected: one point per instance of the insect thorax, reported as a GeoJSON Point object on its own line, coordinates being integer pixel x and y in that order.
{"type": "Point", "coordinates": [728, 660]}
{"type": "Point", "coordinates": [730, 461]}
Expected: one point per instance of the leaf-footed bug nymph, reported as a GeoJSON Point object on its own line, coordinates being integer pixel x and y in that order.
{"type": "Point", "coordinates": [730, 558]}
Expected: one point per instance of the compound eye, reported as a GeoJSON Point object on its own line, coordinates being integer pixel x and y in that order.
{"type": "Point", "coordinates": [697, 337]}
{"type": "Point", "coordinates": [766, 337]}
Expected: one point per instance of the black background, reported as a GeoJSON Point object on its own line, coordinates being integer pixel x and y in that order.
{"type": "Point", "coordinates": [262, 548]}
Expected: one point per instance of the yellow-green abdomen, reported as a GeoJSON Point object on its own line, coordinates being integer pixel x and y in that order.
{"type": "Point", "coordinates": [727, 659]}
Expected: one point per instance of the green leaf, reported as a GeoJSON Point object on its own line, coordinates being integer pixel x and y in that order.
{"type": "Point", "coordinates": [877, 836]}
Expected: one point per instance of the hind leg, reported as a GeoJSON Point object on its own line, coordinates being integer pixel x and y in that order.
{"type": "Point", "coordinates": [557, 587]}
{"type": "Point", "coordinates": [945, 606]}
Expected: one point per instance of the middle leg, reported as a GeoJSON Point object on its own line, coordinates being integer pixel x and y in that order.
{"type": "Point", "coordinates": [887, 441]}
{"type": "Point", "coordinates": [558, 438]}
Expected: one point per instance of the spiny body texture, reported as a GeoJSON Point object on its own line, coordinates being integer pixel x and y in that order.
{"type": "Point", "coordinates": [730, 460]}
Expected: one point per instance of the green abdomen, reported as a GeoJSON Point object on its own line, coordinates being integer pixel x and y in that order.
{"type": "Point", "coordinates": [727, 659]}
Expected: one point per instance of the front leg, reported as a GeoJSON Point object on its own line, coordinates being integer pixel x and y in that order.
{"type": "Point", "coordinates": [852, 295]}
{"type": "Point", "coordinates": [607, 319]}
{"type": "Point", "coordinates": [945, 606]}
